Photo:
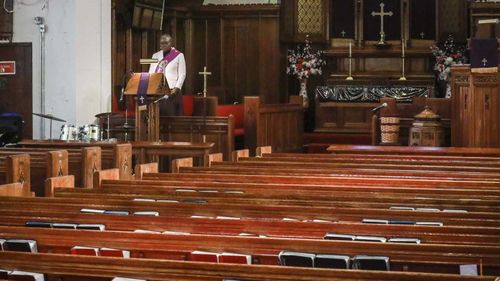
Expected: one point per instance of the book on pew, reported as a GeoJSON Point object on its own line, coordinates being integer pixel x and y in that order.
{"type": "Point", "coordinates": [26, 276]}
{"type": "Point", "coordinates": [205, 256]}
{"type": "Point", "coordinates": [200, 217]}
{"type": "Point", "coordinates": [208, 191]}
{"type": "Point", "coordinates": [320, 221]}
{"type": "Point", "coordinates": [227, 218]}
{"type": "Point", "coordinates": [99, 227]}
{"type": "Point", "coordinates": [371, 262]}
{"type": "Point", "coordinates": [402, 208]}
{"type": "Point", "coordinates": [248, 234]}
{"type": "Point", "coordinates": [144, 200]}
{"type": "Point", "coordinates": [147, 231]}
{"type": "Point", "coordinates": [290, 219]}
{"type": "Point", "coordinates": [363, 238]}
{"type": "Point", "coordinates": [167, 201]}
{"type": "Point", "coordinates": [92, 211]}
{"type": "Point", "coordinates": [429, 223]}
{"type": "Point", "coordinates": [41, 224]}
{"type": "Point", "coordinates": [170, 232]}
{"type": "Point", "coordinates": [64, 225]}
{"type": "Point", "coordinates": [234, 192]}
{"type": "Point", "coordinates": [404, 240]}
{"type": "Point", "coordinates": [455, 211]}
{"type": "Point", "coordinates": [109, 252]}
{"type": "Point", "coordinates": [147, 213]}
{"type": "Point", "coordinates": [194, 201]}
{"type": "Point", "coordinates": [20, 245]}
{"type": "Point", "coordinates": [375, 221]}
{"type": "Point", "coordinates": [4, 274]}
{"type": "Point", "coordinates": [2, 242]}
{"type": "Point", "coordinates": [126, 279]}
{"type": "Point", "coordinates": [117, 212]}
{"type": "Point", "coordinates": [84, 251]}
{"type": "Point", "coordinates": [332, 261]}
{"type": "Point", "coordinates": [468, 269]}
{"type": "Point", "coordinates": [428, 209]}
{"type": "Point", "coordinates": [235, 258]}
{"type": "Point", "coordinates": [185, 190]}
{"type": "Point", "coordinates": [335, 236]}
{"type": "Point", "coordinates": [289, 258]}
{"type": "Point", "coordinates": [408, 222]}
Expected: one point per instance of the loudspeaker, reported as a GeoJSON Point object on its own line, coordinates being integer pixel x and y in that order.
{"type": "Point", "coordinates": [11, 128]}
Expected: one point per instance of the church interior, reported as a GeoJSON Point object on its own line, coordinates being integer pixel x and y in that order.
{"type": "Point", "coordinates": [250, 140]}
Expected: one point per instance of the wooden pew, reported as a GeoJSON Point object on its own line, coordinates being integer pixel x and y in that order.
{"type": "Point", "coordinates": [15, 189]}
{"type": "Point", "coordinates": [437, 258]}
{"type": "Point", "coordinates": [251, 211]}
{"type": "Point", "coordinates": [148, 269]}
{"type": "Point", "coordinates": [113, 155]}
{"type": "Point", "coordinates": [300, 197]}
{"type": "Point", "coordinates": [290, 229]}
{"type": "Point", "coordinates": [402, 150]}
{"type": "Point", "coordinates": [16, 169]}
{"type": "Point", "coordinates": [80, 162]}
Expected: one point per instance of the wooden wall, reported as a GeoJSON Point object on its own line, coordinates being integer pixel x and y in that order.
{"type": "Point", "coordinates": [239, 45]}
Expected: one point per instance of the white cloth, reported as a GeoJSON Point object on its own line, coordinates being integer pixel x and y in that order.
{"type": "Point", "coordinates": [175, 72]}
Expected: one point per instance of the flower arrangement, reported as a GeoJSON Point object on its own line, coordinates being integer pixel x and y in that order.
{"type": "Point", "coordinates": [446, 56]}
{"type": "Point", "coordinates": [303, 62]}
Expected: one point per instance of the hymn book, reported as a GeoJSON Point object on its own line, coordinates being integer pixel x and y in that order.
{"type": "Point", "coordinates": [203, 256]}
{"type": "Point", "coordinates": [371, 262]}
{"type": "Point", "coordinates": [20, 245]}
{"type": "Point", "coordinates": [332, 261]}
{"type": "Point", "coordinates": [84, 251]}
{"type": "Point", "coordinates": [235, 258]}
{"type": "Point", "coordinates": [288, 258]}
{"type": "Point", "coordinates": [26, 276]}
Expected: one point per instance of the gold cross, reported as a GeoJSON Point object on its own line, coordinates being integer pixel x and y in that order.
{"type": "Point", "coordinates": [205, 74]}
{"type": "Point", "coordinates": [382, 14]}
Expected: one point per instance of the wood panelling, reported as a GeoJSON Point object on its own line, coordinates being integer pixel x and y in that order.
{"type": "Point", "coordinates": [16, 91]}
{"type": "Point", "coordinates": [238, 44]}
{"type": "Point", "coordinates": [476, 108]}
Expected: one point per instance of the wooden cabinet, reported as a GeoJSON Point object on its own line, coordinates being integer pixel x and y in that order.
{"type": "Point", "coordinates": [475, 108]}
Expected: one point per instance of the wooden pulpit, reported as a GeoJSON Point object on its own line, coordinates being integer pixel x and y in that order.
{"type": "Point", "coordinates": [147, 88]}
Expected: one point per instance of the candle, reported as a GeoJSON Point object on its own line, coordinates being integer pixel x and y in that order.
{"type": "Point", "coordinates": [350, 50]}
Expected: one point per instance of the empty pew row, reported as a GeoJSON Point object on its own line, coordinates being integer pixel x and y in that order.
{"type": "Point", "coordinates": [448, 202]}
{"type": "Point", "coordinates": [311, 229]}
{"type": "Point", "coordinates": [15, 169]}
{"type": "Point", "coordinates": [437, 258]}
{"type": "Point", "coordinates": [42, 165]}
{"type": "Point", "coordinates": [113, 155]}
{"type": "Point", "coordinates": [258, 212]}
{"type": "Point", "coordinates": [322, 180]}
{"type": "Point", "coordinates": [148, 269]}
{"type": "Point", "coordinates": [401, 150]}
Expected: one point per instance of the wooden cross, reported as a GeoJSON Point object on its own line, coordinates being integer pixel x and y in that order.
{"type": "Point", "coordinates": [343, 33]}
{"type": "Point", "coordinates": [382, 14]}
{"type": "Point", "coordinates": [205, 74]}
{"type": "Point", "coordinates": [422, 35]}
{"type": "Point", "coordinates": [484, 61]}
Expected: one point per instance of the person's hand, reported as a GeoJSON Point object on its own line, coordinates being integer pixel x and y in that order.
{"type": "Point", "coordinates": [176, 91]}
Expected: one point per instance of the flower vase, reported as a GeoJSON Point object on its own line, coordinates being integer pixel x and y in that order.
{"type": "Point", "coordinates": [303, 93]}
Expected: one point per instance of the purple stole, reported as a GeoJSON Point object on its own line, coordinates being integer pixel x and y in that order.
{"type": "Point", "coordinates": [167, 59]}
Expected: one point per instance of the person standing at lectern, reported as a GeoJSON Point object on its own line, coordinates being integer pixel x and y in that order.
{"type": "Point", "coordinates": [172, 64]}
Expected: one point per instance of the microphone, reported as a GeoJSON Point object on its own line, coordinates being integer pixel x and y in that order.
{"type": "Point", "coordinates": [124, 81]}
{"type": "Point", "coordinates": [165, 97]}
{"type": "Point", "coordinates": [379, 107]}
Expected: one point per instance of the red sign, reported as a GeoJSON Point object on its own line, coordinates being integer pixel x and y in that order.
{"type": "Point", "coordinates": [7, 67]}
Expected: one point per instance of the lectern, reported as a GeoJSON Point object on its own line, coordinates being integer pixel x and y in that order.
{"type": "Point", "coordinates": [147, 88]}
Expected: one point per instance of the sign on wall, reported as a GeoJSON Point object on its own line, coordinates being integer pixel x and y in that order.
{"type": "Point", "coordinates": [7, 67]}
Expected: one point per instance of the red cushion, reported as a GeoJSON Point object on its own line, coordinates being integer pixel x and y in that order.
{"type": "Point", "coordinates": [188, 104]}
{"type": "Point", "coordinates": [237, 110]}
{"type": "Point", "coordinates": [239, 132]}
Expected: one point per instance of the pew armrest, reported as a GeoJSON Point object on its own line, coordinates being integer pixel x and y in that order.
{"type": "Point", "coordinates": [181, 162]}
{"type": "Point", "coordinates": [109, 174]}
{"type": "Point", "coordinates": [58, 182]}
{"type": "Point", "coordinates": [141, 169]}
